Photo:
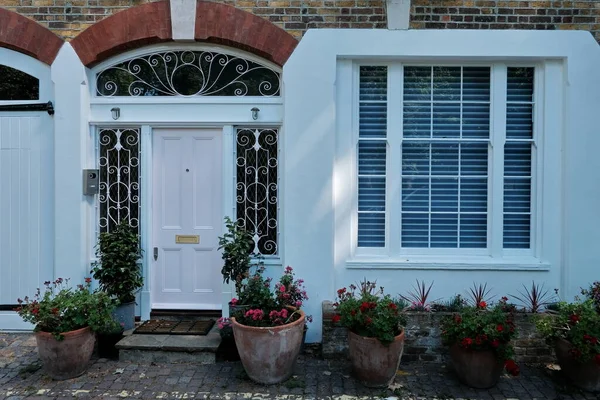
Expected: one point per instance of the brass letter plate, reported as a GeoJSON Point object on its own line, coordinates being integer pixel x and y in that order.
{"type": "Point", "coordinates": [187, 239]}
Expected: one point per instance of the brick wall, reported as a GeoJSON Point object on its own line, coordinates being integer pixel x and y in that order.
{"type": "Point", "coordinates": [486, 14]}
{"type": "Point", "coordinates": [68, 17]}
{"type": "Point", "coordinates": [423, 339]}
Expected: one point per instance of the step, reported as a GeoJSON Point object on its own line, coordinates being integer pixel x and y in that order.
{"type": "Point", "coordinates": [146, 348]}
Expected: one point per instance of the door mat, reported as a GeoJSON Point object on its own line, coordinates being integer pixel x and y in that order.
{"type": "Point", "coordinates": [164, 327]}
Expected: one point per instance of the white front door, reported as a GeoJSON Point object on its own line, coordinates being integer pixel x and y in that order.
{"type": "Point", "coordinates": [187, 219]}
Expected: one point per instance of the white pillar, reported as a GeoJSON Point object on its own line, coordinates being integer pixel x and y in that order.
{"type": "Point", "coordinates": [71, 256]}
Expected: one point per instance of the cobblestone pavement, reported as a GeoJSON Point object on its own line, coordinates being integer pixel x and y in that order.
{"type": "Point", "coordinates": [21, 377]}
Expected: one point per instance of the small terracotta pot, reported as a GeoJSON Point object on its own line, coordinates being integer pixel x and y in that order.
{"type": "Point", "coordinates": [476, 368]}
{"type": "Point", "coordinates": [268, 354]}
{"type": "Point", "coordinates": [373, 363]}
{"type": "Point", "coordinates": [583, 375]}
{"type": "Point", "coordinates": [67, 358]}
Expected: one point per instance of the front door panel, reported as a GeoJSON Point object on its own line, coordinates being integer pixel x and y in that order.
{"type": "Point", "coordinates": [187, 219]}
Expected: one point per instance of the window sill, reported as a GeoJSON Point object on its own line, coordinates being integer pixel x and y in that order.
{"type": "Point", "coordinates": [472, 263]}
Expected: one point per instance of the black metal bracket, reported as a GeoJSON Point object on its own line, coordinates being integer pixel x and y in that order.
{"type": "Point", "coordinates": [48, 107]}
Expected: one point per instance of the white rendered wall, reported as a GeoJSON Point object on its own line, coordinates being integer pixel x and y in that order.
{"type": "Point", "coordinates": [318, 151]}
{"type": "Point", "coordinates": [70, 147]}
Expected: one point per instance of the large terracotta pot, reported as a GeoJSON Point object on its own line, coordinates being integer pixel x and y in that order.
{"type": "Point", "coordinates": [269, 354]}
{"type": "Point", "coordinates": [480, 369]}
{"type": "Point", "coordinates": [584, 375]}
{"type": "Point", "coordinates": [67, 358]}
{"type": "Point", "coordinates": [373, 363]}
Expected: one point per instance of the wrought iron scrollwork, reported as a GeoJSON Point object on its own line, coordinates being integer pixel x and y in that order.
{"type": "Point", "coordinates": [257, 185]}
{"type": "Point", "coordinates": [119, 186]}
{"type": "Point", "coordinates": [188, 73]}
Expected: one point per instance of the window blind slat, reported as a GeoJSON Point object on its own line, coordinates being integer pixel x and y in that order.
{"type": "Point", "coordinates": [444, 183]}
{"type": "Point", "coordinates": [372, 131]}
{"type": "Point", "coordinates": [518, 158]}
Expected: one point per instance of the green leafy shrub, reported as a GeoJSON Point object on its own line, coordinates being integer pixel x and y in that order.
{"type": "Point", "coordinates": [579, 324]}
{"type": "Point", "coordinates": [117, 269]}
{"type": "Point", "coordinates": [237, 245]}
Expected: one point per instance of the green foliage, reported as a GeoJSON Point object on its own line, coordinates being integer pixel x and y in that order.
{"type": "Point", "coordinates": [60, 308]}
{"type": "Point", "coordinates": [266, 308]}
{"type": "Point", "coordinates": [237, 245]}
{"type": "Point", "coordinates": [481, 328]}
{"type": "Point", "coordinates": [455, 304]}
{"type": "Point", "coordinates": [577, 323]}
{"type": "Point", "coordinates": [369, 312]}
{"type": "Point", "coordinates": [593, 293]}
{"type": "Point", "coordinates": [256, 291]}
{"type": "Point", "coordinates": [117, 269]}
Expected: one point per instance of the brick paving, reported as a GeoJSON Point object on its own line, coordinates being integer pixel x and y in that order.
{"type": "Point", "coordinates": [21, 377]}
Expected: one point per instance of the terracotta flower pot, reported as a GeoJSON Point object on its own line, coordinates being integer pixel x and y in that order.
{"type": "Point", "coordinates": [476, 368]}
{"type": "Point", "coordinates": [66, 358]}
{"type": "Point", "coordinates": [268, 354]}
{"type": "Point", "coordinates": [373, 363]}
{"type": "Point", "coordinates": [584, 375]}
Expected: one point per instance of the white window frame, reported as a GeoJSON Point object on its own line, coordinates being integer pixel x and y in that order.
{"type": "Point", "coordinates": [392, 255]}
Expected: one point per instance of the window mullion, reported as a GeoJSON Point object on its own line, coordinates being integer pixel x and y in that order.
{"type": "Point", "coordinates": [496, 164]}
{"type": "Point", "coordinates": [394, 160]}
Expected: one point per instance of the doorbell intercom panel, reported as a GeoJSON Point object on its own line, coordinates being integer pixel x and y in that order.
{"type": "Point", "coordinates": [91, 181]}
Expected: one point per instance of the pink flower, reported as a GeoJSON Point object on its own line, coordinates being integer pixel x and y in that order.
{"type": "Point", "coordinates": [282, 288]}
{"type": "Point", "coordinates": [234, 301]}
{"type": "Point", "coordinates": [298, 303]}
{"type": "Point", "coordinates": [288, 269]}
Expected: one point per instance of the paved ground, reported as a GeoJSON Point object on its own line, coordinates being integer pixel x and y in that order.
{"type": "Point", "coordinates": [21, 377]}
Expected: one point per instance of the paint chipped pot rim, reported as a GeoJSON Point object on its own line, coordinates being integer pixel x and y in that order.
{"type": "Point", "coordinates": [270, 328]}
{"type": "Point", "coordinates": [69, 334]}
{"type": "Point", "coordinates": [398, 337]}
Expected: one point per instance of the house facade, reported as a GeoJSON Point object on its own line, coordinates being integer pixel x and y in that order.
{"type": "Point", "coordinates": [361, 149]}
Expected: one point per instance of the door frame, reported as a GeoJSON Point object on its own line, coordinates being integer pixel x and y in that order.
{"type": "Point", "coordinates": [147, 209]}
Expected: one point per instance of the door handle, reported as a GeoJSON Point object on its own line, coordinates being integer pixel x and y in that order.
{"type": "Point", "coordinates": [155, 253]}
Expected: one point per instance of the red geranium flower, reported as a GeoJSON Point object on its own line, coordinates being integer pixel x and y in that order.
{"type": "Point", "coordinates": [466, 342]}
{"type": "Point", "coordinates": [573, 319]}
{"type": "Point", "coordinates": [495, 343]}
{"type": "Point", "coordinates": [336, 318]}
{"type": "Point", "coordinates": [500, 328]}
{"type": "Point", "coordinates": [482, 304]}
{"type": "Point", "coordinates": [512, 368]}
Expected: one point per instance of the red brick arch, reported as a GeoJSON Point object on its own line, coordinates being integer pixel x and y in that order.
{"type": "Point", "coordinates": [215, 23]}
{"type": "Point", "coordinates": [28, 37]}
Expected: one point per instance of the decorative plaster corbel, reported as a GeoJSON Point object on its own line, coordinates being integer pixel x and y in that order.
{"type": "Point", "coordinates": [398, 14]}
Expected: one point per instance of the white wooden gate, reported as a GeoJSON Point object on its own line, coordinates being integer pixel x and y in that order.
{"type": "Point", "coordinates": [26, 184]}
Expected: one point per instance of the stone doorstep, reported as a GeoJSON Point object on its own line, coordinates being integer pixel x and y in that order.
{"type": "Point", "coordinates": [170, 348]}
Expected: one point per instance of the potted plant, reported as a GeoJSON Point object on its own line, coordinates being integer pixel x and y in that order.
{"type": "Point", "coordinates": [268, 335]}
{"type": "Point", "coordinates": [227, 347]}
{"type": "Point", "coordinates": [107, 336]}
{"type": "Point", "coordinates": [479, 339]}
{"type": "Point", "coordinates": [117, 269]}
{"type": "Point", "coordinates": [574, 329]}
{"type": "Point", "coordinates": [291, 293]}
{"type": "Point", "coordinates": [65, 320]}
{"type": "Point", "coordinates": [237, 248]}
{"type": "Point", "coordinates": [375, 332]}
